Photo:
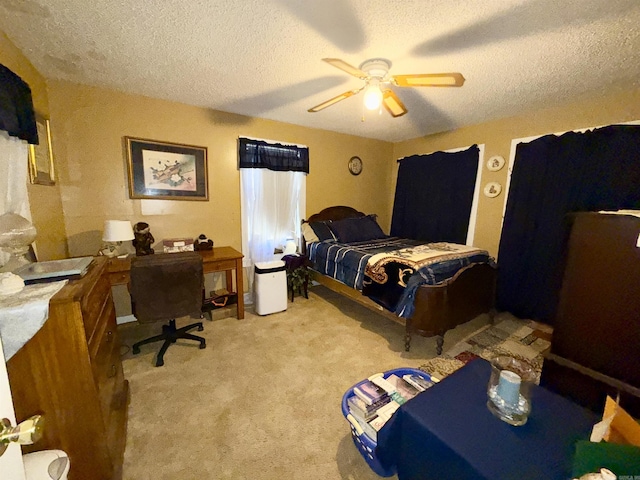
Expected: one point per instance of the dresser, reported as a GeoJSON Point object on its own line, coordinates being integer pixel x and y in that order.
{"type": "Point", "coordinates": [597, 325]}
{"type": "Point", "coordinates": [71, 372]}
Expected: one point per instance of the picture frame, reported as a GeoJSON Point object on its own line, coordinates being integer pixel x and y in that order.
{"type": "Point", "coordinates": [166, 171]}
{"type": "Point", "coordinates": [41, 167]}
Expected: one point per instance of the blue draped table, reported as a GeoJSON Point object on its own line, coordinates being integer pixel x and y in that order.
{"type": "Point", "coordinates": [447, 432]}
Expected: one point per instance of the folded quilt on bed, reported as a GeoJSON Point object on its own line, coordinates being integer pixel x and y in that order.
{"type": "Point", "coordinates": [390, 270]}
{"type": "Point", "coordinates": [346, 262]}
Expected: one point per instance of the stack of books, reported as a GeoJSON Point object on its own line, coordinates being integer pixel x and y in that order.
{"type": "Point", "coordinates": [375, 400]}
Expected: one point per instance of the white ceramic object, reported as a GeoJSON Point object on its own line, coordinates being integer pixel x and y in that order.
{"type": "Point", "coordinates": [603, 474]}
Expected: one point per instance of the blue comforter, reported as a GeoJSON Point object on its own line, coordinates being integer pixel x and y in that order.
{"type": "Point", "coordinates": [390, 270]}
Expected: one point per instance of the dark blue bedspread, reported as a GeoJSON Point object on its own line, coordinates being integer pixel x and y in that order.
{"type": "Point", "coordinates": [346, 262]}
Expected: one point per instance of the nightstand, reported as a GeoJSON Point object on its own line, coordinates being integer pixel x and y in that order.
{"type": "Point", "coordinates": [297, 274]}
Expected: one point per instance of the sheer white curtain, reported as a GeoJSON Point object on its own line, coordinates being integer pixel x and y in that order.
{"type": "Point", "coordinates": [273, 205]}
{"type": "Point", "coordinates": [13, 179]}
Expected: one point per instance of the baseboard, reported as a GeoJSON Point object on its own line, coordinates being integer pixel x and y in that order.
{"type": "Point", "coordinates": [125, 319]}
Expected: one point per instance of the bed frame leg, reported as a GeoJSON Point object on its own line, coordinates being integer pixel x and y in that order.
{"type": "Point", "coordinates": [439, 344]}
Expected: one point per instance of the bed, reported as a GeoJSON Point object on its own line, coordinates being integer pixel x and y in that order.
{"type": "Point", "coordinates": [430, 290]}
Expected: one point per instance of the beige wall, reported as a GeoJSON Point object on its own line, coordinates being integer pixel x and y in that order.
{"type": "Point", "coordinates": [46, 206]}
{"type": "Point", "coordinates": [497, 136]}
{"type": "Point", "coordinates": [90, 124]}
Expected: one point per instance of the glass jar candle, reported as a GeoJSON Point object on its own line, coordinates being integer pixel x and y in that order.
{"type": "Point", "coordinates": [509, 389]}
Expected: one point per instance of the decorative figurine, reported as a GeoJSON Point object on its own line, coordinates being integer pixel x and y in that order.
{"type": "Point", "coordinates": [203, 243]}
{"type": "Point", "coordinates": [143, 239]}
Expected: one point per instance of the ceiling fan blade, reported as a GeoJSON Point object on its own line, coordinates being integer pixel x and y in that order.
{"type": "Point", "coordinates": [345, 67]}
{"type": "Point", "coordinates": [392, 103]}
{"type": "Point", "coordinates": [334, 100]}
{"type": "Point", "coordinates": [429, 80]}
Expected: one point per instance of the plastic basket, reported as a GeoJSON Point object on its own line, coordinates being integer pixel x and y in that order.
{"type": "Point", "coordinates": [365, 444]}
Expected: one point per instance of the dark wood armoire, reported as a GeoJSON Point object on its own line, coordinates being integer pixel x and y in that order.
{"type": "Point", "coordinates": [597, 324]}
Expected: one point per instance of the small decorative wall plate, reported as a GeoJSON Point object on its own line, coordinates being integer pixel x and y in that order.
{"type": "Point", "coordinates": [355, 165]}
{"type": "Point", "coordinates": [492, 189]}
{"type": "Point", "coordinates": [495, 163]}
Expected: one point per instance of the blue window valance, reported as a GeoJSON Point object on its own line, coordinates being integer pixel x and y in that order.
{"type": "Point", "coordinates": [273, 156]}
{"type": "Point", "coordinates": [17, 117]}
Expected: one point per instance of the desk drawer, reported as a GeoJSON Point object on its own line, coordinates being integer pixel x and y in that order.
{"type": "Point", "coordinates": [119, 278]}
{"type": "Point", "coordinates": [219, 265]}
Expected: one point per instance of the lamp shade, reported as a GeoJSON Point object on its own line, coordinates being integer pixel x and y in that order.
{"type": "Point", "coordinates": [117, 231]}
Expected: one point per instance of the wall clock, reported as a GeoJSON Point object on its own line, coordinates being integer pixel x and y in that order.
{"type": "Point", "coordinates": [355, 165]}
{"type": "Point", "coordinates": [495, 163]}
{"type": "Point", "coordinates": [492, 189]}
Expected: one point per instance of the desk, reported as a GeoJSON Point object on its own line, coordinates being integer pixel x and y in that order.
{"type": "Point", "coordinates": [220, 259]}
{"type": "Point", "coordinates": [447, 432]}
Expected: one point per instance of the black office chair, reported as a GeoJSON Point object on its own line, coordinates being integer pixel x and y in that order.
{"type": "Point", "coordinates": [164, 287]}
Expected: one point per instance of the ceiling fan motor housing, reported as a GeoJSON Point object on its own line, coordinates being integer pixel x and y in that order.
{"type": "Point", "coordinates": [376, 67]}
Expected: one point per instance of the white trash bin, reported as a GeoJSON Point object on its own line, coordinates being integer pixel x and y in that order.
{"type": "Point", "coordinates": [46, 465]}
{"type": "Point", "coordinates": [270, 287]}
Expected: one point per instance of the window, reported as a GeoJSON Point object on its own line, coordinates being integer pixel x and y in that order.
{"type": "Point", "coordinates": [436, 196]}
{"type": "Point", "coordinates": [272, 191]}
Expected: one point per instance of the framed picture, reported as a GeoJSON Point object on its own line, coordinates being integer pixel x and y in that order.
{"type": "Point", "coordinates": [41, 170]}
{"type": "Point", "coordinates": [168, 171]}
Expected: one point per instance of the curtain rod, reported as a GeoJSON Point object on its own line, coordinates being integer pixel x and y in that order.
{"type": "Point", "coordinates": [450, 150]}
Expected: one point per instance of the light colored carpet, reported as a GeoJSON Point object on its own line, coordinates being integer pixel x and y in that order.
{"type": "Point", "coordinates": [262, 401]}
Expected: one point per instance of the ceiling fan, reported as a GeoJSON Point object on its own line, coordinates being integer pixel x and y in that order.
{"type": "Point", "coordinates": [377, 82]}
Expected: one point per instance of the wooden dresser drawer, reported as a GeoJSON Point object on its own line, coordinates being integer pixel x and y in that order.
{"type": "Point", "coordinates": [107, 369]}
{"type": "Point", "coordinates": [93, 305]}
{"type": "Point", "coordinates": [104, 328]}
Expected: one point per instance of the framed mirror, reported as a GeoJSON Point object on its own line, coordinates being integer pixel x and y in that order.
{"type": "Point", "coordinates": [41, 169]}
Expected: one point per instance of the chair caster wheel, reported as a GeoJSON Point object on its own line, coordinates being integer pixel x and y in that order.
{"type": "Point", "coordinates": [159, 363]}
{"type": "Point", "coordinates": [203, 345]}
{"type": "Point", "coordinates": [136, 350]}
{"type": "Point", "coordinates": [200, 328]}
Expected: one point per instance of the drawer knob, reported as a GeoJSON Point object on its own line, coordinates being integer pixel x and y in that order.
{"type": "Point", "coordinates": [109, 336]}
{"type": "Point", "coordinates": [26, 433]}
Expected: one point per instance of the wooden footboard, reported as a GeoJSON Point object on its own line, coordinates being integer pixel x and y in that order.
{"type": "Point", "coordinates": [438, 308]}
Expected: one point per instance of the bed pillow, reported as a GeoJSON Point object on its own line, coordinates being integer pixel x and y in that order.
{"type": "Point", "coordinates": [358, 229]}
{"type": "Point", "coordinates": [308, 233]}
{"type": "Point", "coordinates": [322, 230]}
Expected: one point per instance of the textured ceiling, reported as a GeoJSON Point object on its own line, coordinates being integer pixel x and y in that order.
{"type": "Point", "coordinates": [263, 57]}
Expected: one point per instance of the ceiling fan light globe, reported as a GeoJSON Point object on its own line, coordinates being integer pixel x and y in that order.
{"type": "Point", "coordinates": [373, 98]}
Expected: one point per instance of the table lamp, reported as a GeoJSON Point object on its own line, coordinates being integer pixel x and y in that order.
{"type": "Point", "coordinates": [115, 232]}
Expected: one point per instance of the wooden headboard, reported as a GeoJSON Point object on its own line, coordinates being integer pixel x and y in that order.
{"type": "Point", "coordinates": [339, 212]}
